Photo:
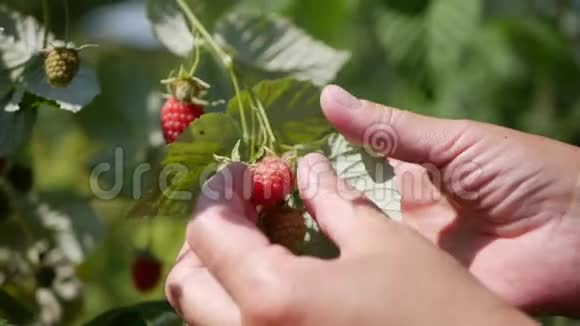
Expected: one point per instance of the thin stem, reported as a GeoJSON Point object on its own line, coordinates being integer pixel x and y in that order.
{"type": "Point", "coordinates": [196, 57]}
{"type": "Point", "coordinates": [46, 18]}
{"type": "Point", "coordinates": [267, 126]}
{"type": "Point", "coordinates": [253, 136]}
{"type": "Point", "coordinates": [66, 22]}
{"type": "Point", "coordinates": [240, 102]}
{"type": "Point", "coordinates": [198, 26]}
{"type": "Point", "coordinates": [225, 58]}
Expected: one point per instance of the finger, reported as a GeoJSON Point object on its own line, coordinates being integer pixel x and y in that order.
{"type": "Point", "coordinates": [221, 232]}
{"type": "Point", "coordinates": [399, 134]}
{"type": "Point", "coordinates": [197, 296]}
{"type": "Point", "coordinates": [343, 213]}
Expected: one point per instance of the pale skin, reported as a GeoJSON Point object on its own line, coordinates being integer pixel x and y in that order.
{"type": "Point", "coordinates": [509, 234]}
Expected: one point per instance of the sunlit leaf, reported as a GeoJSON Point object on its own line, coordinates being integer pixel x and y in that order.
{"type": "Point", "coordinates": [171, 27]}
{"type": "Point", "coordinates": [188, 163]}
{"type": "Point", "coordinates": [349, 165]}
{"type": "Point", "coordinates": [376, 166]}
{"type": "Point", "coordinates": [273, 45]}
{"type": "Point", "coordinates": [22, 37]}
{"type": "Point", "coordinates": [213, 127]}
{"type": "Point", "coordinates": [78, 94]}
{"type": "Point", "coordinates": [293, 108]}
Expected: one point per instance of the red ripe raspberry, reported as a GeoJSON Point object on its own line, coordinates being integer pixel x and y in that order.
{"type": "Point", "coordinates": [272, 181]}
{"type": "Point", "coordinates": [146, 272]}
{"type": "Point", "coordinates": [176, 117]}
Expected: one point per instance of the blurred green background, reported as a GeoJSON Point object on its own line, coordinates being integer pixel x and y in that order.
{"type": "Point", "coordinates": [514, 63]}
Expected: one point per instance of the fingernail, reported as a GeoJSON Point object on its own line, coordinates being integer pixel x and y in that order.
{"type": "Point", "coordinates": [343, 98]}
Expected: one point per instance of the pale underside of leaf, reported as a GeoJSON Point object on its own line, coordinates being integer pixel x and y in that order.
{"type": "Point", "coordinates": [23, 36]}
{"type": "Point", "coordinates": [82, 90]}
{"type": "Point", "coordinates": [273, 44]}
{"type": "Point", "coordinates": [170, 27]}
{"type": "Point", "coordinates": [349, 166]}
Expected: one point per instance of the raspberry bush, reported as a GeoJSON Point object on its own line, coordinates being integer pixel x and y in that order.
{"type": "Point", "coordinates": [105, 149]}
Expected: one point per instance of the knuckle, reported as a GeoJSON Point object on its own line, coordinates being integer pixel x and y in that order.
{"type": "Point", "coordinates": [173, 290]}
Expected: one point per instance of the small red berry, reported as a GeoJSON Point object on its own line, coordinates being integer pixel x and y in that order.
{"type": "Point", "coordinates": [176, 116]}
{"type": "Point", "coordinates": [2, 165]}
{"type": "Point", "coordinates": [146, 272]}
{"type": "Point", "coordinates": [272, 181]}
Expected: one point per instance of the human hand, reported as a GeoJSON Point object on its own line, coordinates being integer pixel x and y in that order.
{"type": "Point", "coordinates": [229, 274]}
{"type": "Point", "coordinates": [504, 203]}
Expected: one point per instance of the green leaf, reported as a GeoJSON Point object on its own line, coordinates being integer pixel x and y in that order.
{"type": "Point", "coordinates": [188, 163]}
{"type": "Point", "coordinates": [293, 108]}
{"type": "Point", "coordinates": [171, 27]}
{"type": "Point", "coordinates": [349, 164]}
{"type": "Point", "coordinates": [83, 89]}
{"type": "Point", "coordinates": [274, 46]}
{"type": "Point", "coordinates": [15, 128]}
{"type": "Point", "coordinates": [23, 36]}
{"type": "Point", "coordinates": [450, 25]}
{"type": "Point", "coordinates": [402, 36]}
{"type": "Point", "coordinates": [217, 128]}
{"type": "Point", "coordinates": [154, 313]}
{"type": "Point", "coordinates": [377, 167]}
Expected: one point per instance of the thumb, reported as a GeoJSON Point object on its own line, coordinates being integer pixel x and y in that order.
{"type": "Point", "coordinates": [392, 132]}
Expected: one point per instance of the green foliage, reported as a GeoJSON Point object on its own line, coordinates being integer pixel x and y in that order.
{"type": "Point", "coordinates": [507, 62]}
{"type": "Point", "coordinates": [172, 29]}
{"type": "Point", "coordinates": [292, 108]}
{"type": "Point", "coordinates": [450, 25]}
{"type": "Point", "coordinates": [155, 313]}
{"type": "Point", "coordinates": [272, 47]}
{"type": "Point", "coordinates": [188, 163]}
{"type": "Point", "coordinates": [364, 172]}
{"type": "Point", "coordinates": [22, 37]}
{"type": "Point", "coordinates": [21, 47]}
{"type": "Point", "coordinates": [74, 97]}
